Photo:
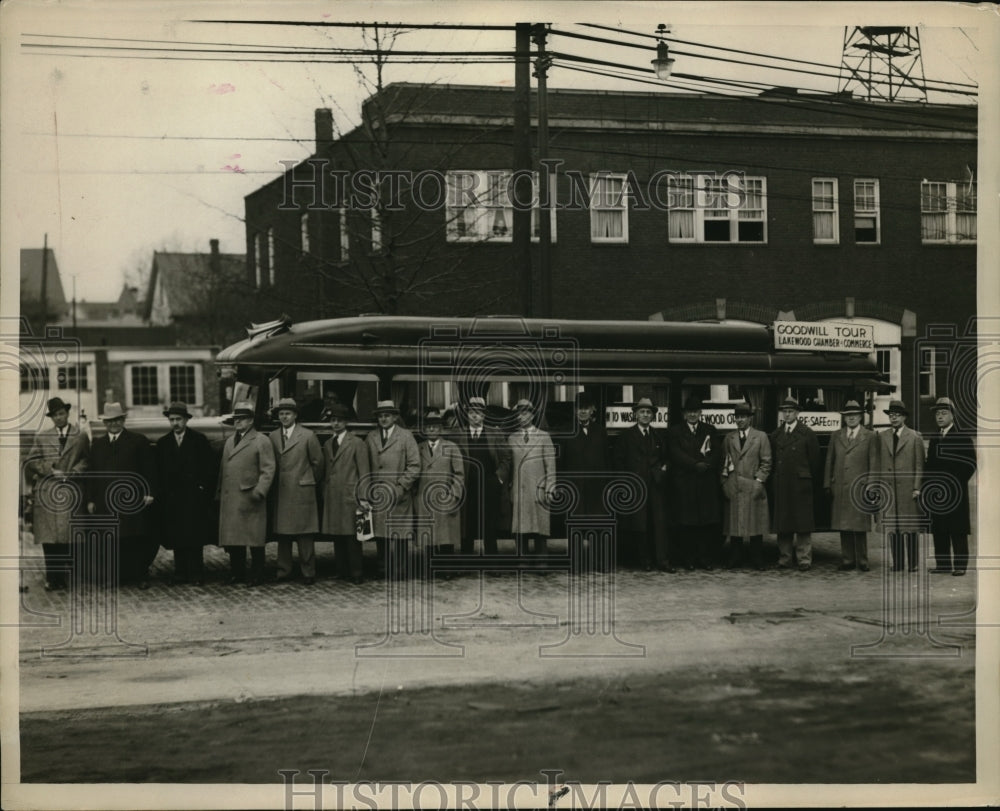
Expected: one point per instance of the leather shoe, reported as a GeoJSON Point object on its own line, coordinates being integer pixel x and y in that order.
{"type": "Point", "coordinates": [958, 573]}
{"type": "Point", "coordinates": [666, 567]}
{"type": "Point", "coordinates": [940, 570]}
{"type": "Point", "coordinates": [143, 585]}
{"type": "Point", "coordinates": [357, 581]}
{"type": "Point", "coordinates": [804, 567]}
{"type": "Point", "coordinates": [864, 567]}
{"type": "Point", "coordinates": [845, 567]}
{"type": "Point", "coordinates": [308, 581]}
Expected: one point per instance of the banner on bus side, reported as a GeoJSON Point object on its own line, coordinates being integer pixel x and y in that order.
{"type": "Point", "coordinates": [724, 419]}
{"type": "Point", "coordinates": [824, 336]}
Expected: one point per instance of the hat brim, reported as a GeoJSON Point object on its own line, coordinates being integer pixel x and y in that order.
{"type": "Point", "coordinates": [891, 411]}
{"type": "Point", "coordinates": [378, 411]}
{"type": "Point", "coordinates": [169, 413]}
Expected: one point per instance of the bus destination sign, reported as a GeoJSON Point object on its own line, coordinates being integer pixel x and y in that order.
{"type": "Point", "coordinates": [824, 336]}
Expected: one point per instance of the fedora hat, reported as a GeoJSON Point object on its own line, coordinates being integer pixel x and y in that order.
{"type": "Point", "coordinates": [475, 404]}
{"type": "Point", "coordinates": [385, 407]}
{"type": "Point", "coordinates": [744, 410]}
{"type": "Point", "coordinates": [286, 404]}
{"type": "Point", "coordinates": [57, 404]}
{"type": "Point", "coordinates": [897, 407]}
{"type": "Point", "coordinates": [790, 402]}
{"type": "Point", "coordinates": [692, 404]}
{"type": "Point", "coordinates": [524, 405]}
{"type": "Point", "coordinates": [584, 400]}
{"type": "Point", "coordinates": [852, 407]}
{"type": "Point", "coordinates": [338, 411]}
{"type": "Point", "coordinates": [177, 408]}
{"type": "Point", "coordinates": [943, 404]}
{"type": "Point", "coordinates": [432, 417]}
{"type": "Point", "coordinates": [644, 402]}
{"type": "Point", "coordinates": [112, 411]}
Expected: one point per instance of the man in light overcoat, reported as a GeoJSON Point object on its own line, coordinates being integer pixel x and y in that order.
{"type": "Point", "coordinates": [746, 466]}
{"type": "Point", "coordinates": [294, 511]}
{"type": "Point", "coordinates": [395, 467]}
{"type": "Point", "coordinates": [245, 478]}
{"type": "Point", "coordinates": [797, 471]}
{"type": "Point", "coordinates": [440, 489]}
{"type": "Point", "coordinates": [57, 454]}
{"type": "Point", "coordinates": [347, 465]}
{"type": "Point", "coordinates": [951, 461]}
{"type": "Point", "coordinates": [533, 487]}
{"type": "Point", "coordinates": [900, 467]}
{"type": "Point", "coordinates": [849, 462]}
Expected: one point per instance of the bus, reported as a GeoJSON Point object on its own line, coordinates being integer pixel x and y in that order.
{"type": "Point", "coordinates": [426, 362]}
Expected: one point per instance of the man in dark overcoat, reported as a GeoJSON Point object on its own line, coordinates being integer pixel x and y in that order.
{"type": "Point", "coordinates": [486, 458]}
{"type": "Point", "coordinates": [951, 461]}
{"type": "Point", "coordinates": [186, 470]}
{"type": "Point", "coordinates": [128, 458]}
{"type": "Point", "coordinates": [795, 451]}
{"type": "Point", "coordinates": [57, 455]}
{"type": "Point", "coordinates": [642, 450]}
{"type": "Point", "coordinates": [695, 452]}
{"type": "Point", "coordinates": [585, 464]}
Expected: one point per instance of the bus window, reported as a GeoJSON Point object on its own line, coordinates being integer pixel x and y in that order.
{"type": "Point", "coordinates": [244, 393]}
{"type": "Point", "coordinates": [317, 391]}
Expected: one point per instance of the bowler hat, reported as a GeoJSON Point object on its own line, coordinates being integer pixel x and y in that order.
{"type": "Point", "coordinates": [177, 408]}
{"type": "Point", "coordinates": [475, 404]}
{"type": "Point", "coordinates": [645, 402]}
{"type": "Point", "coordinates": [385, 407]}
{"type": "Point", "coordinates": [852, 407]}
{"type": "Point", "coordinates": [286, 404]}
{"type": "Point", "coordinates": [897, 407]}
{"type": "Point", "coordinates": [584, 400]}
{"type": "Point", "coordinates": [56, 404]}
{"type": "Point", "coordinates": [943, 404]}
{"type": "Point", "coordinates": [790, 402]}
{"type": "Point", "coordinates": [112, 411]}
{"type": "Point", "coordinates": [338, 411]}
{"type": "Point", "coordinates": [692, 404]}
{"type": "Point", "coordinates": [743, 410]}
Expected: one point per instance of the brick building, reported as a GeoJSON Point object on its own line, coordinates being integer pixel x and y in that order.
{"type": "Point", "coordinates": [679, 207]}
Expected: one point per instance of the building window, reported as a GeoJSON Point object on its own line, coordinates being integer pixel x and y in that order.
{"type": "Point", "coordinates": [258, 264]}
{"type": "Point", "coordinates": [866, 212]}
{"type": "Point", "coordinates": [729, 208]}
{"type": "Point", "coordinates": [145, 390]}
{"type": "Point", "coordinates": [73, 378]}
{"type": "Point", "coordinates": [34, 378]}
{"type": "Point", "coordinates": [947, 212]}
{"type": "Point", "coordinates": [480, 207]}
{"type": "Point", "coordinates": [826, 217]}
{"type": "Point", "coordinates": [932, 360]}
{"type": "Point", "coordinates": [345, 245]}
{"type": "Point", "coordinates": [376, 222]}
{"type": "Point", "coordinates": [608, 208]}
{"type": "Point", "coordinates": [270, 257]}
{"type": "Point", "coordinates": [304, 232]}
{"type": "Point", "coordinates": [153, 384]}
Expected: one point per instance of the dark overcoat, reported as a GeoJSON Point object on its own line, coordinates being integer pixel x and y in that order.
{"type": "Point", "coordinates": [487, 486]}
{"type": "Point", "coordinates": [694, 495]}
{"type": "Point", "coordinates": [951, 461]}
{"type": "Point", "coordinates": [187, 476]}
{"type": "Point", "coordinates": [131, 457]}
{"type": "Point", "coordinates": [796, 473]}
{"type": "Point", "coordinates": [646, 458]}
{"type": "Point", "coordinates": [584, 456]}
{"type": "Point", "coordinates": [53, 505]}
{"type": "Point", "coordinates": [346, 467]}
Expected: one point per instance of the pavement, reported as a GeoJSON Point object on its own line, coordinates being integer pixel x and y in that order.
{"type": "Point", "coordinates": [221, 642]}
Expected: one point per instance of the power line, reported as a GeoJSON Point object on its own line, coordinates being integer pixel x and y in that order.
{"type": "Point", "coordinates": [328, 24]}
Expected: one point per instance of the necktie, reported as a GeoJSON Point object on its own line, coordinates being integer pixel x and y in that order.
{"type": "Point", "coordinates": [434, 447]}
{"type": "Point", "coordinates": [790, 429]}
{"type": "Point", "coordinates": [236, 440]}
{"type": "Point", "coordinates": [179, 438]}
{"type": "Point", "coordinates": [284, 439]}
{"type": "Point", "coordinates": [895, 441]}
{"type": "Point", "coordinates": [385, 437]}
{"type": "Point", "coordinates": [526, 437]}
{"type": "Point", "coordinates": [475, 435]}
{"type": "Point", "coordinates": [743, 439]}
{"type": "Point", "coordinates": [62, 439]}
{"type": "Point", "coordinates": [586, 431]}
{"type": "Point", "coordinates": [337, 441]}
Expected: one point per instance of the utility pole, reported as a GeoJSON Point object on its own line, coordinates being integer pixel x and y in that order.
{"type": "Point", "coordinates": [521, 237]}
{"type": "Point", "coordinates": [542, 64]}
{"type": "Point", "coordinates": [45, 281]}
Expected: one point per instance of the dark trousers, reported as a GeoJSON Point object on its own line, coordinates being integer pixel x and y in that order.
{"type": "Point", "coordinates": [136, 554]}
{"type": "Point", "coordinates": [349, 556]}
{"type": "Point", "coordinates": [756, 551]}
{"type": "Point", "coordinates": [904, 548]}
{"type": "Point", "coordinates": [57, 563]}
{"type": "Point", "coordinates": [189, 564]}
{"type": "Point", "coordinates": [238, 561]}
{"type": "Point", "coordinates": [698, 545]}
{"type": "Point", "coordinates": [944, 543]}
{"type": "Point", "coordinates": [854, 548]}
{"type": "Point", "coordinates": [532, 545]}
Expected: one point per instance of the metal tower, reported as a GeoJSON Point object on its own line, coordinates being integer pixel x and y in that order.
{"type": "Point", "coordinates": [883, 63]}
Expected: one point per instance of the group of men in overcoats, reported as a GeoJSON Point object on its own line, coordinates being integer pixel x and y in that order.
{"type": "Point", "coordinates": [693, 487]}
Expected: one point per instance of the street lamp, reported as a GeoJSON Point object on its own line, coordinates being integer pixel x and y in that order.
{"type": "Point", "coordinates": [664, 63]}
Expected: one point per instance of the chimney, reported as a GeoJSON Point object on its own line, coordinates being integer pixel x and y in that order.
{"type": "Point", "coordinates": [213, 260]}
{"type": "Point", "coordinates": [324, 129]}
